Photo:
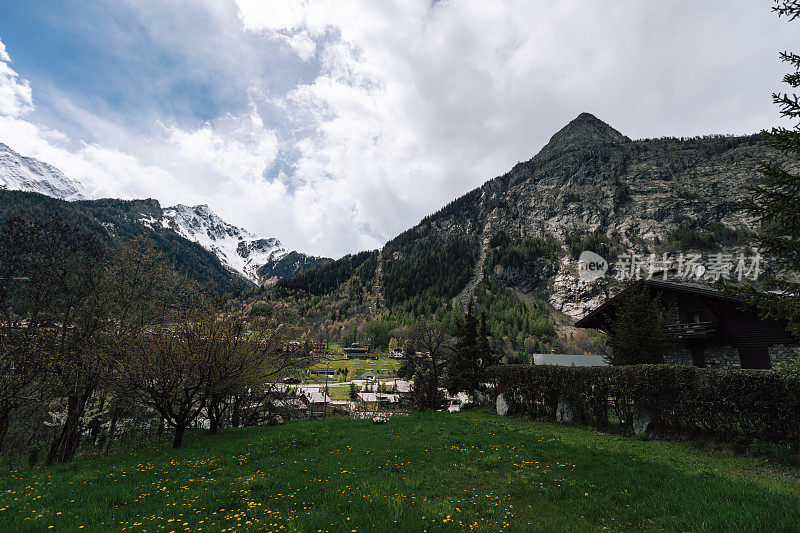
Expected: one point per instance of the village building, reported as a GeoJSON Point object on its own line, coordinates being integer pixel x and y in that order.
{"type": "Point", "coordinates": [293, 347]}
{"type": "Point", "coordinates": [401, 386]}
{"type": "Point", "coordinates": [357, 351]}
{"type": "Point", "coordinates": [286, 403]}
{"type": "Point", "coordinates": [320, 346]}
{"type": "Point", "coordinates": [371, 401]}
{"type": "Point", "coordinates": [369, 377]}
{"type": "Point", "coordinates": [397, 353]}
{"type": "Point", "coordinates": [315, 402]}
{"type": "Point", "coordinates": [709, 328]}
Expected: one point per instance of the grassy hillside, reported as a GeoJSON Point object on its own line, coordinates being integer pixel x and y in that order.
{"type": "Point", "coordinates": [434, 472]}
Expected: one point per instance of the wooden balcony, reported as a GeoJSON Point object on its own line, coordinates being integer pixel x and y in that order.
{"type": "Point", "coordinates": [691, 330]}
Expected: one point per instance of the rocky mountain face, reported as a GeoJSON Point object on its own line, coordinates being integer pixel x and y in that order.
{"type": "Point", "coordinates": [591, 187]}
{"type": "Point", "coordinates": [235, 247]}
{"type": "Point", "coordinates": [260, 260]}
{"type": "Point", "coordinates": [27, 174]}
{"type": "Point", "coordinates": [257, 259]}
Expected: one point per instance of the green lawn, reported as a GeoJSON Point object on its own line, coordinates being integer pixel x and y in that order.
{"type": "Point", "coordinates": [428, 471]}
{"type": "Point", "coordinates": [382, 366]}
{"type": "Point", "coordinates": [340, 392]}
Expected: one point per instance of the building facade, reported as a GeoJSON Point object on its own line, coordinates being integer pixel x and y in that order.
{"type": "Point", "coordinates": [709, 328]}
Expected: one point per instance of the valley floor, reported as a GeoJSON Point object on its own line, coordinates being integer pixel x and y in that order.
{"type": "Point", "coordinates": [429, 471]}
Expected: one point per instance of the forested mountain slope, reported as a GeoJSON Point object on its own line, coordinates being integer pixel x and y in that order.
{"type": "Point", "coordinates": [114, 221]}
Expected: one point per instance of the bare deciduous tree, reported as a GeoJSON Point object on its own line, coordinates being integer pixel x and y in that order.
{"type": "Point", "coordinates": [426, 358]}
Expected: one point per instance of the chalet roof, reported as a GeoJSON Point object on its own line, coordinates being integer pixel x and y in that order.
{"type": "Point", "coordinates": [373, 397]}
{"type": "Point", "coordinates": [317, 396]}
{"type": "Point", "coordinates": [401, 385]}
{"type": "Point", "coordinates": [595, 318]}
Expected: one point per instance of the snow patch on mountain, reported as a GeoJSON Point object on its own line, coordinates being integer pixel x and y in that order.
{"type": "Point", "coordinates": [236, 248]}
{"type": "Point", "coordinates": [22, 173]}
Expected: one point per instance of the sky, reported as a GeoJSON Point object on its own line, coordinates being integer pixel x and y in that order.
{"type": "Point", "coordinates": [335, 125]}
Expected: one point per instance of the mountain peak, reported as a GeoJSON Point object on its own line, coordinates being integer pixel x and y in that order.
{"type": "Point", "coordinates": [235, 247]}
{"type": "Point", "coordinates": [584, 130]}
{"type": "Point", "coordinates": [18, 172]}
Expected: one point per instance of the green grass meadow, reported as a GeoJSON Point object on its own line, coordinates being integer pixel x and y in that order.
{"type": "Point", "coordinates": [470, 471]}
{"type": "Point", "coordinates": [339, 392]}
{"type": "Point", "coordinates": [384, 366]}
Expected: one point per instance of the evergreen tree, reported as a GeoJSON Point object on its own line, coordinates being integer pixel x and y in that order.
{"type": "Point", "coordinates": [636, 334]}
{"type": "Point", "coordinates": [775, 202]}
{"type": "Point", "coordinates": [470, 355]}
{"type": "Point", "coordinates": [484, 348]}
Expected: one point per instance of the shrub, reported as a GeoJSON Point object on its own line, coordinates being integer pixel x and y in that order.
{"type": "Point", "coordinates": [778, 454]}
{"type": "Point", "coordinates": [33, 456]}
{"type": "Point", "coordinates": [790, 366]}
{"type": "Point", "coordinates": [683, 401]}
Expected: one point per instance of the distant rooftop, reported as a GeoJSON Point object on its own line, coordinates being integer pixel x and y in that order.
{"type": "Point", "coordinates": [558, 359]}
{"type": "Point", "coordinates": [373, 397]}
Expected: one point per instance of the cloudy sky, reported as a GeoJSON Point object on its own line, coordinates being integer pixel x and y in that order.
{"type": "Point", "coordinates": [334, 125]}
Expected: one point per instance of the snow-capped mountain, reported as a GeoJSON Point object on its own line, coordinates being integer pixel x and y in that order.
{"type": "Point", "coordinates": [258, 259]}
{"type": "Point", "coordinates": [236, 248]}
{"type": "Point", "coordinates": [22, 173]}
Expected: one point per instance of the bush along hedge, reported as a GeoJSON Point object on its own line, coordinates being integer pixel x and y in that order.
{"type": "Point", "coordinates": [678, 401]}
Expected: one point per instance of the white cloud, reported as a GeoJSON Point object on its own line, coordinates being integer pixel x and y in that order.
{"type": "Point", "coordinates": [15, 93]}
{"type": "Point", "coordinates": [175, 166]}
{"type": "Point", "coordinates": [417, 102]}
{"type": "Point", "coordinates": [230, 158]}
{"type": "Point", "coordinates": [352, 119]}
{"type": "Point", "coordinates": [104, 172]}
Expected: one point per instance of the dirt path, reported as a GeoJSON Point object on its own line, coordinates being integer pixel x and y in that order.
{"type": "Point", "coordinates": [376, 298]}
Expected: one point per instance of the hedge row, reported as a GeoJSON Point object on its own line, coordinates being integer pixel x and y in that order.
{"type": "Point", "coordinates": [681, 400]}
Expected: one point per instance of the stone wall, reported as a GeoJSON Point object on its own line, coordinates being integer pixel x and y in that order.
{"type": "Point", "coordinates": [781, 352]}
{"type": "Point", "coordinates": [726, 356]}
{"type": "Point", "coordinates": [716, 357]}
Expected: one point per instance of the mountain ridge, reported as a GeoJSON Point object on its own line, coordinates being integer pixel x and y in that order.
{"type": "Point", "coordinates": [113, 221]}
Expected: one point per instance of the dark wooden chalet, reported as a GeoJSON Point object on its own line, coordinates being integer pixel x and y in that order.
{"type": "Point", "coordinates": [710, 328]}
